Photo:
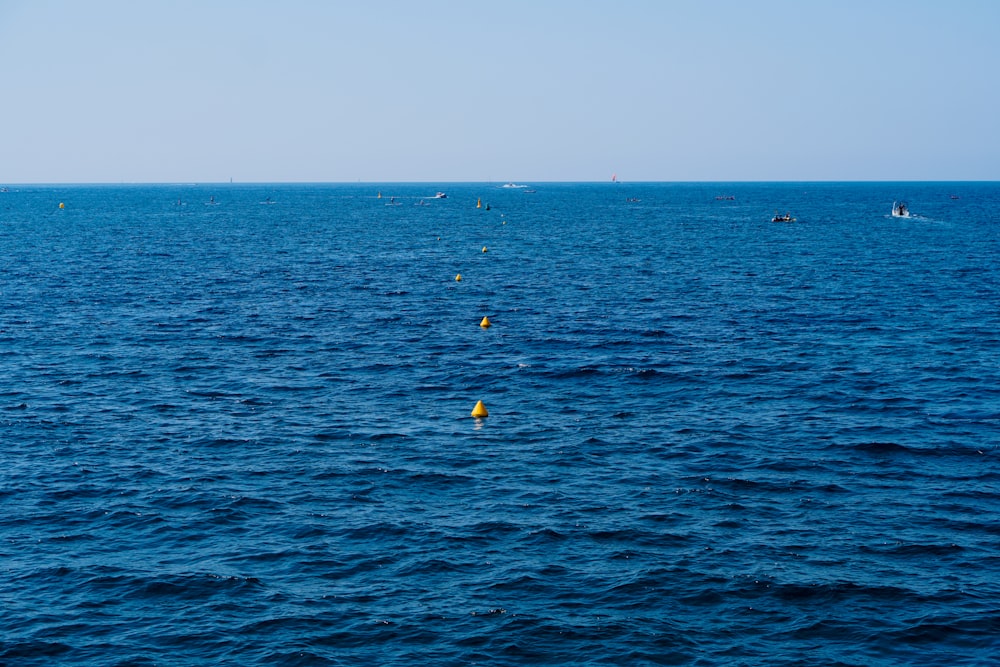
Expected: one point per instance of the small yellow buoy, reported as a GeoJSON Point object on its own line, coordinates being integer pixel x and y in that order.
{"type": "Point", "coordinates": [485, 323]}
{"type": "Point", "coordinates": [479, 203]}
{"type": "Point", "coordinates": [484, 248]}
{"type": "Point", "coordinates": [62, 205]}
{"type": "Point", "coordinates": [458, 278]}
{"type": "Point", "coordinates": [480, 410]}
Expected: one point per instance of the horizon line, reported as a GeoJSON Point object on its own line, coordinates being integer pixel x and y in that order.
{"type": "Point", "coordinates": [556, 182]}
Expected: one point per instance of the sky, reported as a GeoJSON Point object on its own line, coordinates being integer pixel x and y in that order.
{"type": "Point", "coordinates": [166, 91]}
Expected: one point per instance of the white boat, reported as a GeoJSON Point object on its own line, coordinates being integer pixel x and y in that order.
{"type": "Point", "coordinates": [783, 218]}
{"type": "Point", "coordinates": [440, 195]}
{"type": "Point", "coordinates": [899, 210]}
{"type": "Point", "coordinates": [512, 185]}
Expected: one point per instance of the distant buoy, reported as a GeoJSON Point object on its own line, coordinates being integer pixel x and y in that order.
{"type": "Point", "coordinates": [485, 323]}
{"type": "Point", "coordinates": [479, 203]}
{"type": "Point", "coordinates": [62, 205]}
{"type": "Point", "coordinates": [484, 248]}
{"type": "Point", "coordinates": [458, 278]}
{"type": "Point", "coordinates": [480, 410]}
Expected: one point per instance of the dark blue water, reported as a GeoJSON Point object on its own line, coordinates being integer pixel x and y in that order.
{"type": "Point", "coordinates": [240, 433]}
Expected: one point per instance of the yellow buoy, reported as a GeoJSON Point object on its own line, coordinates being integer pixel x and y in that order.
{"type": "Point", "coordinates": [479, 203]}
{"type": "Point", "coordinates": [480, 410]}
{"type": "Point", "coordinates": [484, 248]}
{"type": "Point", "coordinates": [62, 205]}
{"type": "Point", "coordinates": [458, 278]}
{"type": "Point", "coordinates": [485, 323]}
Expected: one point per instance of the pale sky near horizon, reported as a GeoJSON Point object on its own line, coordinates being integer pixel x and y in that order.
{"type": "Point", "coordinates": [525, 90]}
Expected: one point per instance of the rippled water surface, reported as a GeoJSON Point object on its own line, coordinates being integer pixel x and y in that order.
{"type": "Point", "coordinates": [235, 425]}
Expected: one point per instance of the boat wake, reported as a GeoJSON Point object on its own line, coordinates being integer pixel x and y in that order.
{"type": "Point", "coordinates": [911, 216]}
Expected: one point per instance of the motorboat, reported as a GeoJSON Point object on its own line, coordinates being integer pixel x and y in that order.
{"type": "Point", "coordinates": [440, 195]}
{"type": "Point", "coordinates": [783, 218]}
{"type": "Point", "coordinates": [900, 210]}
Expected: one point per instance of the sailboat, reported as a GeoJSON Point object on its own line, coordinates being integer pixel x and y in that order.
{"type": "Point", "coordinates": [614, 178]}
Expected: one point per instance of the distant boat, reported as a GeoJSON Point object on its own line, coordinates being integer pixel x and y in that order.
{"type": "Point", "coordinates": [783, 218]}
{"type": "Point", "coordinates": [440, 195]}
{"type": "Point", "coordinates": [900, 210]}
{"type": "Point", "coordinates": [512, 185]}
{"type": "Point", "coordinates": [614, 178]}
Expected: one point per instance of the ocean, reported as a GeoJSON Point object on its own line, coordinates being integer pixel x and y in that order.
{"type": "Point", "coordinates": [235, 424]}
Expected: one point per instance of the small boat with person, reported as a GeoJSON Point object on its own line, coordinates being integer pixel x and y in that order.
{"type": "Point", "coordinates": [782, 218]}
{"type": "Point", "coordinates": [900, 210]}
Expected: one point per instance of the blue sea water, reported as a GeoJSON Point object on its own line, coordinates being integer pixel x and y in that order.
{"type": "Point", "coordinates": [235, 425]}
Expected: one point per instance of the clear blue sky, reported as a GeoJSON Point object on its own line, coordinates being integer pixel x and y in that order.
{"type": "Point", "coordinates": [524, 90]}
